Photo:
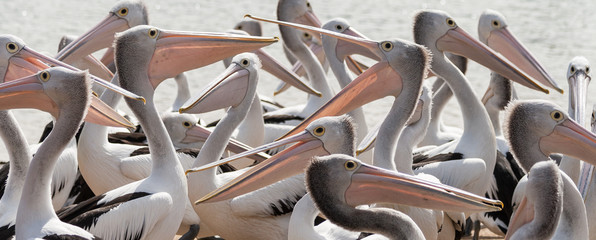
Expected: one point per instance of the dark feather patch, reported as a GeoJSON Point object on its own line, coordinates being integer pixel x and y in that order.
{"type": "Point", "coordinates": [506, 183]}
{"type": "Point", "coordinates": [213, 124]}
{"type": "Point", "coordinates": [517, 170]}
{"type": "Point", "coordinates": [277, 119]}
{"type": "Point", "coordinates": [67, 237]}
{"type": "Point", "coordinates": [138, 139]}
{"type": "Point", "coordinates": [87, 213]}
{"type": "Point", "coordinates": [284, 206]}
{"type": "Point", "coordinates": [3, 177]}
{"type": "Point", "coordinates": [48, 128]}
{"type": "Point", "coordinates": [7, 232]}
{"type": "Point", "coordinates": [81, 190]}
{"type": "Point", "coordinates": [421, 160]}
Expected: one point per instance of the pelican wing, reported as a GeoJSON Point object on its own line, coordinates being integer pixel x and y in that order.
{"type": "Point", "coordinates": [274, 200]}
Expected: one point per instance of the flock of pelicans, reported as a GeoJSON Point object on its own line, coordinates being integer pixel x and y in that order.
{"type": "Point", "coordinates": [409, 178]}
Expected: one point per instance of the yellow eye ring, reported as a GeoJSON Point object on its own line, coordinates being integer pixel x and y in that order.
{"type": "Point", "coordinates": [387, 46]}
{"type": "Point", "coordinates": [572, 70]}
{"type": "Point", "coordinates": [152, 33]}
{"type": "Point", "coordinates": [319, 131]}
{"type": "Point", "coordinates": [122, 12]}
{"type": "Point", "coordinates": [350, 165]}
{"type": "Point", "coordinates": [244, 62]}
{"type": "Point", "coordinates": [557, 115]}
{"type": "Point", "coordinates": [12, 47]}
{"type": "Point", "coordinates": [44, 76]}
{"type": "Point", "coordinates": [496, 24]}
{"type": "Point", "coordinates": [187, 124]}
{"type": "Point", "coordinates": [450, 22]}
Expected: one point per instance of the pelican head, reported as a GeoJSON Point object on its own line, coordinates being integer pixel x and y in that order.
{"type": "Point", "coordinates": [493, 31]}
{"type": "Point", "coordinates": [343, 180]}
{"type": "Point", "coordinates": [322, 137]}
{"type": "Point", "coordinates": [230, 88]}
{"type": "Point", "coordinates": [160, 54]}
{"type": "Point", "coordinates": [536, 129]}
{"type": "Point", "coordinates": [499, 92]}
{"type": "Point", "coordinates": [541, 206]}
{"type": "Point", "coordinates": [342, 49]}
{"type": "Point", "coordinates": [124, 15]}
{"type": "Point", "coordinates": [578, 77]}
{"type": "Point", "coordinates": [178, 126]}
{"type": "Point", "coordinates": [50, 90]}
{"type": "Point", "coordinates": [440, 33]}
{"type": "Point", "coordinates": [296, 11]}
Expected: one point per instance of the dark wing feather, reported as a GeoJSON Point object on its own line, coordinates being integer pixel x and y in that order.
{"type": "Point", "coordinates": [87, 213]}
{"type": "Point", "coordinates": [138, 139]}
{"type": "Point", "coordinates": [277, 119]}
{"type": "Point", "coordinates": [506, 183]}
{"type": "Point", "coordinates": [421, 160]}
{"type": "Point", "coordinates": [7, 232]}
{"type": "Point", "coordinates": [67, 237]}
{"type": "Point", "coordinates": [3, 177]}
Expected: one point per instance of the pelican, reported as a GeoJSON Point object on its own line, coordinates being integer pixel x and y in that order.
{"type": "Point", "coordinates": [536, 129]}
{"type": "Point", "coordinates": [542, 205]}
{"type": "Point", "coordinates": [337, 183]}
{"type": "Point", "coordinates": [122, 16]}
{"type": "Point", "coordinates": [66, 95]}
{"type": "Point", "coordinates": [242, 214]}
{"type": "Point", "coordinates": [140, 52]}
{"type": "Point", "coordinates": [18, 61]}
{"type": "Point", "coordinates": [298, 11]}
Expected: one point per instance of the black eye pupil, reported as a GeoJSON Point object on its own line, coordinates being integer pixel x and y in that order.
{"type": "Point", "coordinates": [387, 45]}
{"type": "Point", "coordinates": [557, 115]}
{"type": "Point", "coordinates": [572, 69]}
{"type": "Point", "coordinates": [12, 46]}
{"type": "Point", "coordinates": [319, 130]}
{"type": "Point", "coordinates": [245, 62]}
{"type": "Point", "coordinates": [239, 27]}
{"type": "Point", "coordinates": [44, 75]}
{"type": "Point", "coordinates": [350, 164]}
{"type": "Point", "coordinates": [123, 11]}
{"type": "Point", "coordinates": [338, 27]}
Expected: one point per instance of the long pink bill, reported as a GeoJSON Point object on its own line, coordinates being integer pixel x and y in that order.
{"type": "Point", "coordinates": [569, 138]}
{"type": "Point", "coordinates": [461, 43]}
{"type": "Point", "coordinates": [376, 185]}
{"type": "Point", "coordinates": [287, 163]}
{"type": "Point", "coordinates": [504, 42]}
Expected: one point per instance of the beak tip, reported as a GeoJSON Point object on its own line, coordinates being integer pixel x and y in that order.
{"type": "Point", "coordinates": [276, 38]}
{"type": "Point", "coordinates": [247, 16]}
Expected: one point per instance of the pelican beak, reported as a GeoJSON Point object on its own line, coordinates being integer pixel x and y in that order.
{"type": "Point", "coordinates": [364, 46]}
{"type": "Point", "coordinates": [376, 185]}
{"type": "Point", "coordinates": [344, 48]}
{"type": "Point", "coordinates": [569, 138]}
{"type": "Point", "coordinates": [309, 19]}
{"type": "Point", "coordinates": [523, 216]}
{"type": "Point", "coordinates": [100, 36]}
{"type": "Point", "coordinates": [459, 42]}
{"type": "Point", "coordinates": [377, 82]}
{"type": "Point", "coordinates": [285, 164]}
{"type": "Point", "coordinates": [276, 69]}
{"type": "Point", "coordinates": [198, 133]}
{"type": "Point", "coordinates": [28, 92]}
{"type": "Point", "coordinates": [504, 42]}
{"type": "Point", "coordinates": [368, 142]}
{"type": "Point", "coordinates": [487, 95]}
{"type": "Point", "coordinates": [108, 57]}
{"type": "Point", "coordinates": [177, 52]}
{"type": "Point", "coordinates": [95, 67]}
{"type": "Point", "coordinates": [579, 82]}
{"type": "Point", "coordinates": [30, 60]}
{"type": "Point", "coordinates": [355, 66]}
{"type": "Point", "coordinates": [229, 89]}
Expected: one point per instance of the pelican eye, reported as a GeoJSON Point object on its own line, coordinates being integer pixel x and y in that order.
{"type": "Point", "coordinates": [496, 24]}
{"type": "Point", "coordinates": [44, 76]}
{"type": "Point", "coordinates": [450, 22]}
{"type": "Point", "coordinates": [187, 124]}
{"type": "Point", "coordinates": [339, 27]}
{"type": "Point", "coordinates": [12, 47]}
{"type": "Point", "coordinates": [123, 12]}
{"type": "Point", "coordinates": [239, 27]}
{"type": "Point", "coordinates": [572, 70]}
{"type": "Point", "coordinates": [556, 115]}
{"type": "Point", "coordinates": [319, 131]}
{"type": "Point", "coordinates": [387, 46]}
{"type": "Point", "coordinates": [308, 5]}
{"type": "Point", "coordinates": [245, 62]}
{"type": "Point", "coordinates": [587, 70]}
{"type": "Point", "coordinates": [152, 32]}
{"type": "Point", "coordinates": [306, 35]}
{"type": "Point", "coordinates": [350, 165]}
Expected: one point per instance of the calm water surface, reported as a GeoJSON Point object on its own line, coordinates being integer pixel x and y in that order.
{"type": "Point", "coordinates": [554, 31]}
